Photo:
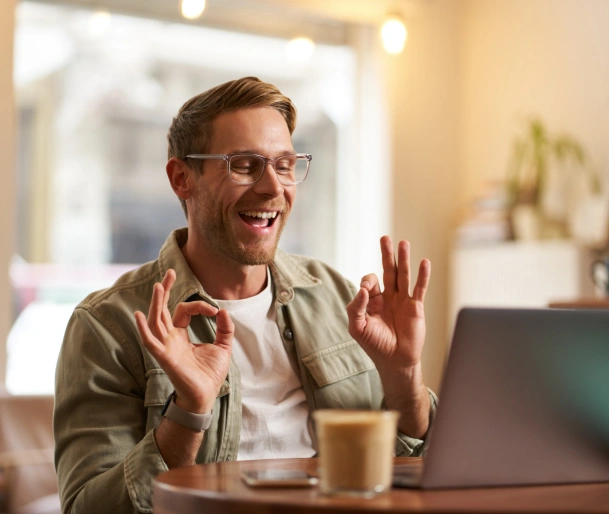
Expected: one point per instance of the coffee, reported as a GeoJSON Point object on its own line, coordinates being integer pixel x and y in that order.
{"type": "Point", "coordinates": [356, 450]}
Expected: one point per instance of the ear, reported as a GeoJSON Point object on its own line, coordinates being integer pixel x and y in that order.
{"type": "Point", "coordinates": [181, 177]}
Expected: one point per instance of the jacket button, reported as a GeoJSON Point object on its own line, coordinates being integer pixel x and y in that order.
{"type": "Point", "coordinates": [285, 293]}
{"type": "Point", "coordinates": [288, 334]}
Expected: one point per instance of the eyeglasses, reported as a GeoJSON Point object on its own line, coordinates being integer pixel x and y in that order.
{"type": "Point", "coordinates": [248, 168]}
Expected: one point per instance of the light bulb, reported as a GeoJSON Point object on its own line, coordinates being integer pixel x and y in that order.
{"type": "Point", "coordinates": [192, 9]}
{"type": "Point", "coordinates": [99, 23]}
{"type": "Point", "coordinates": [300, 49]}
{"type": "Point", "coordinates": [394, 35]}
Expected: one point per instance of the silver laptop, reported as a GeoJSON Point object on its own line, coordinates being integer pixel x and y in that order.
{"type": "Point", "coordinates": [524, 401]}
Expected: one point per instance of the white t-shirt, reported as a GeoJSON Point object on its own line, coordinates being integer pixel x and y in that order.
{"type": "Point", "coordinates": [274, 407]}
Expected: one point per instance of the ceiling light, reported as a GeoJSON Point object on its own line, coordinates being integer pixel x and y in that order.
{"type": "Point", "coordinates": [98, 23]}
{"type": "Point", "coordinates": [300, 49]}
{"type": "Point", "coordinates": [393, 34]}
{"type": "Point", "coordinates": [192, 9]}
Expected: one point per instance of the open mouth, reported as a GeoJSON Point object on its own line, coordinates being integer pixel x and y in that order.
{"type": "Point", "coordinates": [259, 218]}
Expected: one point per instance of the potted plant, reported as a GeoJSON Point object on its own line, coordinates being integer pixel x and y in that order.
{"type": "Point", "coordinates": [537, 156]}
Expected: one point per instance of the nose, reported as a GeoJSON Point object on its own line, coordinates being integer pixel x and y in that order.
{"type": "Point", "coordinates": [269, 184]}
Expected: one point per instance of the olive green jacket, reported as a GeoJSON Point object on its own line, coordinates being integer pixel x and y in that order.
{"type": "Point", "coordinates": [110, 391]}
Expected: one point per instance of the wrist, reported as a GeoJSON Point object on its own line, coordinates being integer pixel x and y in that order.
{"type": "Point", "coordinates": [405, 391]}
{"type": "Point", "coordinates": [195, 406]}
{"type": "Point", "coordinates": [410, 376]}
{"type": "Point", "coordinates": [193, 421]}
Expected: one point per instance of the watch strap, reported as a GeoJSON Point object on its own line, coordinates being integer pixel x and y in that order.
{"type": "Point", "coordinates": [196, 422]}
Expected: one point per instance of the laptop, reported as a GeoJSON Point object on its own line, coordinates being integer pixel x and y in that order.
{"type": "Point", "coordinates": [524, 401]}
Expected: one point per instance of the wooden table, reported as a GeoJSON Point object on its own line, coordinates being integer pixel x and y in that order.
{"type": "Point", "coordinates": [217, 488]}
{"type": "Point", "coordinates": [581, 303]}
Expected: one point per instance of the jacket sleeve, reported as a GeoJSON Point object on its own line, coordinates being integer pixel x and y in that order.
{"type": "Point", "coordinates": [105, 459]}
{"type": "Point", "coordinates": [411, 447]}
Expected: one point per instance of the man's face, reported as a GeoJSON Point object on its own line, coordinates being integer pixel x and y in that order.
{"type": "Point", "coordinates": [226, 215]}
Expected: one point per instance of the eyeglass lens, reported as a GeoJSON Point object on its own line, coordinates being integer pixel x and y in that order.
{"type": "Point", "coordinates": [248, 168]}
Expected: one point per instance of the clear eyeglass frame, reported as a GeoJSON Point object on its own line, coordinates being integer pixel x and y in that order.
{"type": "Point", "coordinates": [248, 179]}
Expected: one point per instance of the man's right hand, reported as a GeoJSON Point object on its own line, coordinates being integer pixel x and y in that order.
{"type": "Point", "coordinates": [196, 371]}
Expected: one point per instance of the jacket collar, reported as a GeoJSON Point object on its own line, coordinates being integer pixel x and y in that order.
{"type": "Point", "coordinates": [287, 272]}
{"type": "Point", "coordinates": [171, 257]}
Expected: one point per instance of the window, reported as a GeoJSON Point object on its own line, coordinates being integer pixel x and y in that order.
{"type": "Point", "coordinates": [96, 94]}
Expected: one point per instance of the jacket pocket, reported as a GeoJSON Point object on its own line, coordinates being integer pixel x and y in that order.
{"type": "Point", "coordinates": [336, 363]}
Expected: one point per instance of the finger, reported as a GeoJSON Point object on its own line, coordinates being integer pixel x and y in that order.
{"type": "Point", "coordinates": [167, 283]}
{"type": "Point", "coordinates": [224, 329]}
{"type": "Point", "coordinates": [356, 312]}
{"type": "Point", "coordinates": [422, 280]}
{"type": "Point", "coordinates": [389, 268]}
{"type": "Point", "coordinates": [155, 321]}
{"type": "Point", "coordinates": [186, 310]}
{"type": "Point", "coordinates": [151, 343]}
{"type": "Point", "coordinates": [403, 267]}
{"type": "Point", "coordinates": [370, 282]}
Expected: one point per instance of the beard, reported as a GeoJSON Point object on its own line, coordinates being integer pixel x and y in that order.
{"type": "Point", "coordinates": [221, 235]}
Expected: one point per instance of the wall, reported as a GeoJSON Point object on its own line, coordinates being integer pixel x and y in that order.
{"type": "Point", "coordinates": [423, 91]}
{"type": "Point", "coordinates": [472, 72]}
{"type": "Point", "coordinates": [7, 151]}
{"type": "Point", "coordinates": [535, 57]}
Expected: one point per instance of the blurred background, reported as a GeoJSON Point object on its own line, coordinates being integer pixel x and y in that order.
{"type": "Point", "coordinates": [477, 130]}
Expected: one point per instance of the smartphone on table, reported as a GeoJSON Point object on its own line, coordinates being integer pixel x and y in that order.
{"type": "Point", "coordinates": [278, 478]}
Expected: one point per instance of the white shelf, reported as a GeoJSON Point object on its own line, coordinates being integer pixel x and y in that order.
{"type": "Point", "coordinates": [515, 274]}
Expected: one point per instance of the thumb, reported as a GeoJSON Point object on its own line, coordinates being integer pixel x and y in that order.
{"type": "Point", "coordinates": [225, 329]}
{"type": "Point", "coordinates": [356, 311]}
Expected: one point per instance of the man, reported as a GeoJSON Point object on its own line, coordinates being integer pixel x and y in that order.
{"type": "Point", "coordinates": [137, 395]}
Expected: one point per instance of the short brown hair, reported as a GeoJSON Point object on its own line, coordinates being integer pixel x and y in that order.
{"type": "Point", "coordinates": [191, 130]}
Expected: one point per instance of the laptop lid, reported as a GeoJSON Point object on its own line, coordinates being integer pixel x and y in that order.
{"type": "Point", "coordinates": [524, 400]}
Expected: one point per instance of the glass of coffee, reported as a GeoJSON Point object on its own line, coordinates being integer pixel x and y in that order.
{"type": "Point", "coordinates": [356, 449]}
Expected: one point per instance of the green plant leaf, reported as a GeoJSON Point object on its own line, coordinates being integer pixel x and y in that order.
{"type": "Point", "coordinates": [532, 153]}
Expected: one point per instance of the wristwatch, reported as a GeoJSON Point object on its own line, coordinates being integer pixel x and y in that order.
{"type": "Point", "coordinates": [196, 422]}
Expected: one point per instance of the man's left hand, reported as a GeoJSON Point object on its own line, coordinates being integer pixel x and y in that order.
{"type": "Point", "coordinates": [390, 326]}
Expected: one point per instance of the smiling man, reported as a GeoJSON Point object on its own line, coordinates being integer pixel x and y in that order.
{"type": "Point", "coordinates": [240, 341]}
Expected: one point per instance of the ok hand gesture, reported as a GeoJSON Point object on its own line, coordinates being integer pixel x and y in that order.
{"type": "Point", "coordinates": [390, 324]}
{"type": "Point", "coordinates": [196, 371]}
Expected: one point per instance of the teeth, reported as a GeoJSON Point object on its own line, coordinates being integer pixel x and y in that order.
{"type": "Point", "coordinates": [263, 215]}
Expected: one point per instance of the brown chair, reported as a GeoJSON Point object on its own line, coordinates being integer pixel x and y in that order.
{"type": "Point", "coordinates": [28, 482]}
